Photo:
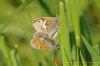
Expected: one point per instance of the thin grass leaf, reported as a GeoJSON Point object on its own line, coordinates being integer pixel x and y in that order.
{"type": "Point", "coordinates": [13, 58]}
{"type": "Point", "coordinates": [45, 7]}
{"type": "Point", "coordinates": [10, 58]}
{"type": "Point", "coordinates": [83, 61]}
{"type": "Point", "coordinates": [73, 12]}
{"type": "Point", "coordinates": [64, 37]}
{"type": "Point", "coordinates": [93, 53]}
{"type": "Point", "coordinates": [5, 51]}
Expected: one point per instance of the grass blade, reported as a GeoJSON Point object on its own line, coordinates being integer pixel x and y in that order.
{"type": "Point", "coordinates": [64, 37]}
{"type": "Point", "coordinates": [4, 50]}
{"type": "Point", "coordinates": [93, 53]}
{"type": "Point", "coordinates": [83, 61]}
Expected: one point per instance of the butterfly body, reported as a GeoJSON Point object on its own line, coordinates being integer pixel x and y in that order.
{"type": "Point", "coordinates": [46, 31]}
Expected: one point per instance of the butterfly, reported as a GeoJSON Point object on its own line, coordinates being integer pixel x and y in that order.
{"type": "Point", "coordinates": [47, 29]}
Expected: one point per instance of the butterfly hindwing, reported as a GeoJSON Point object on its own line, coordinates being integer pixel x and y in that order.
{"type": "Point", "coordinates": [42, 41]}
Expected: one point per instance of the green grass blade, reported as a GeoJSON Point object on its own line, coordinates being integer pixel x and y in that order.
{"type": "Point", "coordinates": [5, 52]}
{"type": "Point", "coordinates": [73, 12]}
{"type": "Point", "coordinates": [64, 37]}
{"type": "Point", "coordinates": [13, 58]}
{"type": "Point", "coordinates": [93, 53]}
{"type": "Point", "coordinates": [45, 7]}
{"type": "Point", "coordinates": [83, 61]}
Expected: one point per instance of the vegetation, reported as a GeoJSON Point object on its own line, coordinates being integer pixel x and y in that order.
{"type": "Point", "coordinates": [78, 36]}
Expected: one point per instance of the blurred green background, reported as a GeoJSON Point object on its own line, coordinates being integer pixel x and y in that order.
{"type": "Point", "coordinates": [16, 29]}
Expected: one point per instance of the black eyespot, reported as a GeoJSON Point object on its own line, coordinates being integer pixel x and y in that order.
{"type": "Point", "coordinates": [36, 46]}
{"type": "Point", "coordinates": [39, 21]}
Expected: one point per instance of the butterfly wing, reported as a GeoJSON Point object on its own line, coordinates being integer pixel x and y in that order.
{"type": "Point", "coordinates": [52, 24]}
{"type": "Point", "coordinates": [46, 39]}
{"type": "Point", "coordinates": [39, 25]}
{"type": "Point", "coordinates": [42, 41]}
{"type": "Point", "coordinates": [47, 25]}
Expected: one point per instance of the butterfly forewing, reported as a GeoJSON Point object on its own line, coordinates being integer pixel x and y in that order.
{"type": "Point", "coordinates": [48, 25]}
{"type": "Point", "coordinates": [39, 25]}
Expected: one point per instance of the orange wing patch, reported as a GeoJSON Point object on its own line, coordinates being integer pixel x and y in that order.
{"type": "Point", "coordinates": [39, 44]}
